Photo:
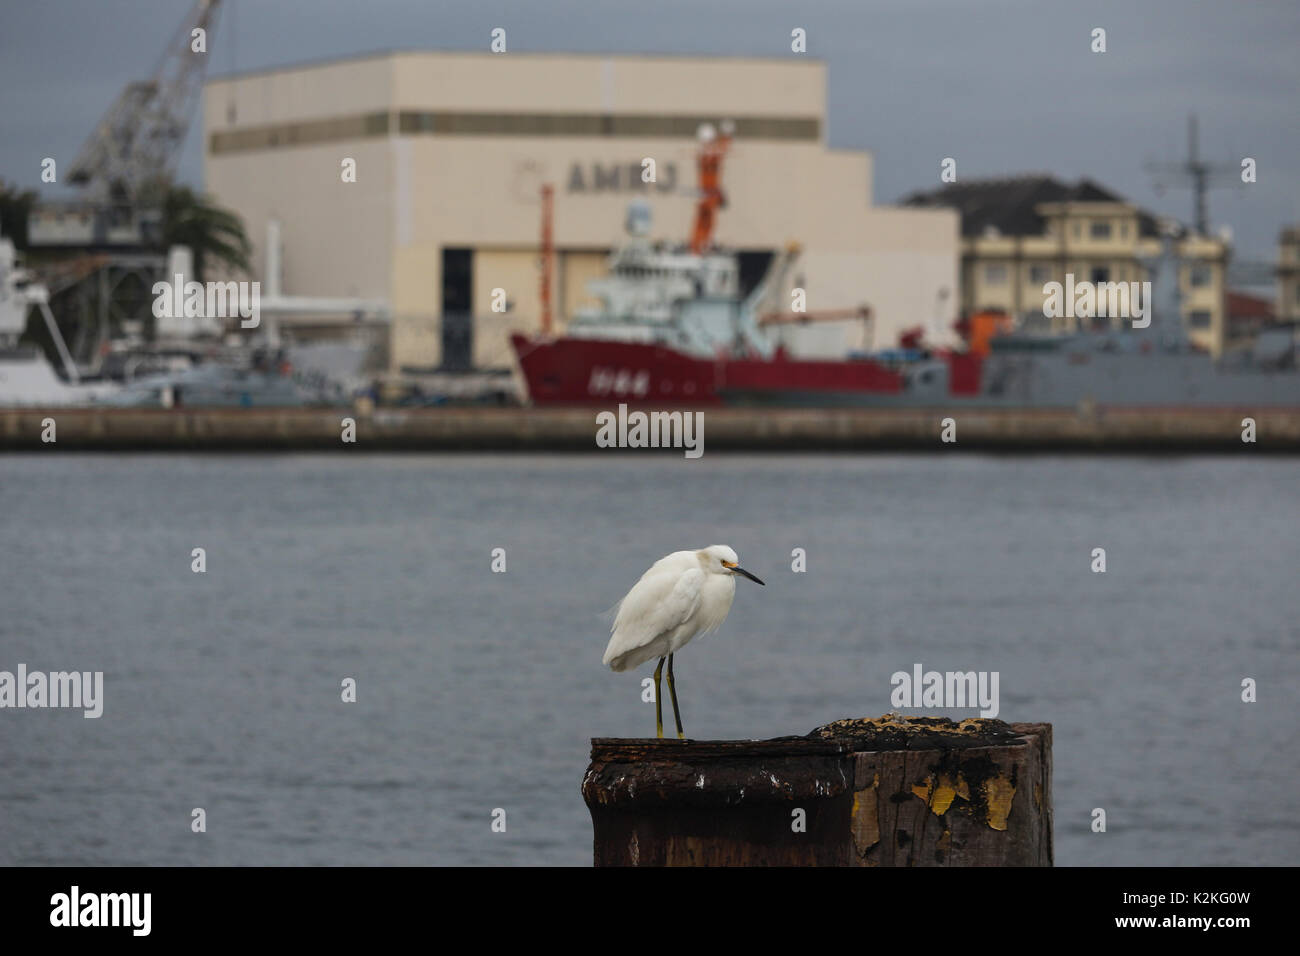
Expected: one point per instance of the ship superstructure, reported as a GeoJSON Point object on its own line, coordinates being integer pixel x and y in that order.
{"type": "Point", "coordinates": [672, 328]}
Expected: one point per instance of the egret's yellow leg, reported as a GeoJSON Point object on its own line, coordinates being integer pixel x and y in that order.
{"type": "Point", "coordinates": [672, 690]}
{"type": "Point", "coordinates": [659, 704]}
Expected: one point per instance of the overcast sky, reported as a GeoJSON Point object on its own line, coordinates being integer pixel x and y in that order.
{"type": "Point", "coordinates": [1003, 86]}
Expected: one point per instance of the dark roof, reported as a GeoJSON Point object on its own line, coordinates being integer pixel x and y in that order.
{"type": "Point", "coordinates": [1009, 204]}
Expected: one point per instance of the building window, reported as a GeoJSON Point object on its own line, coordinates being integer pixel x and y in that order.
{"type": "Point", "coordinates": [1100, 229]}
{"type": "Point", "coordinates": [995, 275]}
{"type": "Point", "coordinates": [1199, 320]}
{"type": "Point", "coordinates": [1123, 230]}
{"type": "Point", "coordinates": [1200, 276]}
{"type": "Point", "coordinates": [1038, 275]}
{"type": "Point", "coordinates": [1100, 274]}
{"type": "Point", "coordinates": [457, 281]}
{"type": "Point", "coordinates": [1078, 230]}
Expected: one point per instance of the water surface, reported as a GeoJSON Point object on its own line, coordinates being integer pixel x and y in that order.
{"type": "Point", "coordinates": [479, 690]}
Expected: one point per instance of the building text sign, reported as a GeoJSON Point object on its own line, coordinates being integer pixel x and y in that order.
{"type": "Point", "coordinates": [619, 177]}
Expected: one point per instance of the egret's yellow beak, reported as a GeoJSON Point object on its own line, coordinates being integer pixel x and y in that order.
{"type": "Point", "coordinates": [737, 569]}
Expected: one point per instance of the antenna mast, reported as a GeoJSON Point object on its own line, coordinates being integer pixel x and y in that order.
{"type": "Point", "coordinates": [1195, 173]}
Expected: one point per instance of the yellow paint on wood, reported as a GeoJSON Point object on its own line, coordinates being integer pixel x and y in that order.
{"type": "Point", "coordinates": [998, 793]}
{"type": "Point", "coordinates": [943, 796]}
{"type": "Point", "coordinates": [939, 795]}
{"type": "Point", "coordinates": [866, 822]}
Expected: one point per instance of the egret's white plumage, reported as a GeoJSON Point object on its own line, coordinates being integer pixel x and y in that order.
{"type": "Point", "coordinates": [682, 595]}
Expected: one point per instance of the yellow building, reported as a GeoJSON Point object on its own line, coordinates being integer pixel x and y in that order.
{"type": "Point", "coordinates": [450, 151]}
{"type": "Point", "coordinates": [1020, 233]}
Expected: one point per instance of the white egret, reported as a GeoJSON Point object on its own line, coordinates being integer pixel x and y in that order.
{"type": "Point", "coordinates": [683, 594]}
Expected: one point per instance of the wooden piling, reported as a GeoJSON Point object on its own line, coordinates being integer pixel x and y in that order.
{"type": "Point", "coordinates": [889, 791]}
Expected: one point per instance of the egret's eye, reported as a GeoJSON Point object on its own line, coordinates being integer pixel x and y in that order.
{"type": "Point", "coordinates": [728, 564]}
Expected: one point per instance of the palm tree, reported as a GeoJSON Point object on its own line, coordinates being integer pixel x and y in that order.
{"type": "Point", "coordinates": [213, 234]}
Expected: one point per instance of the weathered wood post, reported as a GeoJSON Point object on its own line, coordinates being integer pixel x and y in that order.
{"type": "Point", "coordinates": [890, 791]}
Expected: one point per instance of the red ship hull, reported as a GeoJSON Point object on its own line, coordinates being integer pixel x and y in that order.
{"type": "Point", "coordinates": [576, 371]}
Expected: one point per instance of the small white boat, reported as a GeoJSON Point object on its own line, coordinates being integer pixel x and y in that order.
{"type": "Point", "coordinates": [27, 379]}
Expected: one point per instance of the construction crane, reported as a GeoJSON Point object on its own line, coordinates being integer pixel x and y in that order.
{"type": "Point", "coordinates": [134, 148]}
{"type": "Point", "coordinates": [105, 234]}
{"type": "Point", "coordinates": [124, 166]}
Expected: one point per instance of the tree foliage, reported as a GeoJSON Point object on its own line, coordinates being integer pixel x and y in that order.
{"type": "Point", "coordinates": [15, 204]}
{"type": "Point", "coordinates": [215, 234]}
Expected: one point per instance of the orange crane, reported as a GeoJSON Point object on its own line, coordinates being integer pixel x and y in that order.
{"type": "Point", "coordinates": [548, 254]}
{"type": "Point", "coordinates": [712, 148]}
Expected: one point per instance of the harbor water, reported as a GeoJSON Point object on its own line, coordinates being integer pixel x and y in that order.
{"type": "Point", "coordinates": [479, 690]}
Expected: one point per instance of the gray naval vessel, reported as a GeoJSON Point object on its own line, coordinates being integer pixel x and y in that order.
{"type": "Point", "coordinates": [1152, 367]}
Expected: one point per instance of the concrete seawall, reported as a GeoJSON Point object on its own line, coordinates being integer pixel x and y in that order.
{"type": "Point", "coordinates": [739, 429]}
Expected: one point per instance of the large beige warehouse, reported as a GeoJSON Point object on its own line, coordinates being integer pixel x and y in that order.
{"type": "Point", "coordinates": [451, 150]}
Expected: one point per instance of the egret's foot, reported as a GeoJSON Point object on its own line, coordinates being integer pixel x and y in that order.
{"type": "Point", "coordinates": [680, 735]}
